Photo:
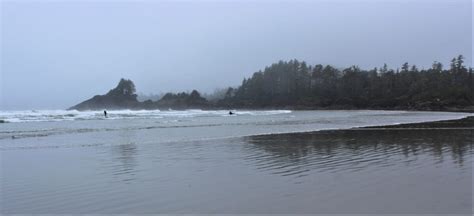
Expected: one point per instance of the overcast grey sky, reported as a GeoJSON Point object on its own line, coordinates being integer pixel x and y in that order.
{"type": "Point", "coordinates": [55, 54]}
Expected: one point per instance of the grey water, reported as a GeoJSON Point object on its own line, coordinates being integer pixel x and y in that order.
{"type": "Point", "coordinates": [255, 162]}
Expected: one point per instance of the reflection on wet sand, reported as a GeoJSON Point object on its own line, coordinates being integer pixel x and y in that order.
{"type": "Point", "coordinates": [125, 166]}
{"type": "Point", "coordinates": [366, 171]}
{"type": "Point", "coordinates": [353, 150]}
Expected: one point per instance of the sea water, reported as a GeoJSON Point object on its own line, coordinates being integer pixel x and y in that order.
{"type": "Point", "coordinates": [55, 128]}
{"type": "Point", "coordinates": [198, 161]}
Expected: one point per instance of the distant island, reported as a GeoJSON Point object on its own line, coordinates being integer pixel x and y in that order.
{"type": "Point", "coordinates": [295, 85]}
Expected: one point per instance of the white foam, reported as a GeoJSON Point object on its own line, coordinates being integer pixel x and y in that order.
{"type": "Point", "coordinates": [74, 115]}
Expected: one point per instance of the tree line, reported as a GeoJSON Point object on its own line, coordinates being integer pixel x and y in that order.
{"type": "Point", "coordinates": [296, 84]}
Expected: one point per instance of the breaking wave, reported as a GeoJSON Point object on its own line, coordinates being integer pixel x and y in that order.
{"type": "Point", "coordinates": [74, 115]}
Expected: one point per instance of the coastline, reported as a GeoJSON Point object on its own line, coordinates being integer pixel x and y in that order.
{"type": "Point", "coordinates": [466, 123]}
{"type": "Point", "coordinates": [296, 108]}
{"type": "Point", "coordinates": [307, 172]}
{"type": "Point", "coordinates": [463, 123]}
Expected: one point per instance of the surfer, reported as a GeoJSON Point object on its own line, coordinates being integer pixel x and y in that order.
{"type": "Point", "coordinates": [105, 113]}
{"type": "Point", "coordinates": [231, 113]}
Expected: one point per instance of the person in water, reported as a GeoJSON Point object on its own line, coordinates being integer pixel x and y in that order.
{"type": "Point", "coordinates": [105, 113]}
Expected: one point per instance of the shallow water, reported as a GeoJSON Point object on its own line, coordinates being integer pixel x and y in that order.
{"type": "Point", "coordinates": [187, 165]}
{"type": "Point", "coordinates": [50, 129]}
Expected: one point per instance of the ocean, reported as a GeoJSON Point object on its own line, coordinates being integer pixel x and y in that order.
{"type": "Point", "coordinates": [256, 161]}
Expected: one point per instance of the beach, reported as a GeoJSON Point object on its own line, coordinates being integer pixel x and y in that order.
{"type": "Point", "coordinates": [264, 163]}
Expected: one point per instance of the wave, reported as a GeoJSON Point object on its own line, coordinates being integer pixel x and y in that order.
{"type": "Point", "coordinates": [74, 115]}
{"type": "Point", "coordinates": [183, 129]}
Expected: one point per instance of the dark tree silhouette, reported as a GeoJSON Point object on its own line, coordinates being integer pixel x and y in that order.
{"type": "Point", "coordinates": [294, 84]}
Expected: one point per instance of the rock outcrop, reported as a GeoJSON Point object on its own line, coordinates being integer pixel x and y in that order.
{"type": "Point", "coordinates": [123, 97]}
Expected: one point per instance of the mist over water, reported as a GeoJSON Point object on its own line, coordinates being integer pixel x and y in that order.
{"type": "Point", "coordinates": [58, 53]}
{"type": "Point", "coordinates": [311, 54]}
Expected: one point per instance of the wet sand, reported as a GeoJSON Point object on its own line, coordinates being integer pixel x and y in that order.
{"type": "Point", "coordinates": [464, 123]}
{"type": "Point", "coordinates": [408, 169]}
{"type": "Point", "coordinates": [438, 151]}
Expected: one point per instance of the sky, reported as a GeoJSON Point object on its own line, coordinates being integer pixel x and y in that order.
{"type": "Point", "coordinates": [55, 54]}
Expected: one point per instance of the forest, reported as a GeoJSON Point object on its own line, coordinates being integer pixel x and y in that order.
{"type": "Point", "coordinates": [296, 85]}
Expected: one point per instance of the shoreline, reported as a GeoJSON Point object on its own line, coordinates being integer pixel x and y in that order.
{"type": "Point", "coordinates": [296, 108]}
{"type": "Point", "coordinates": [466, 123]}
{"type": "Point", "coordinates": [463, 123]}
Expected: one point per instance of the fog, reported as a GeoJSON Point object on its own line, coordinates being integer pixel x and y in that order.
{"type": "Point", "coordinates": [55, 54]}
